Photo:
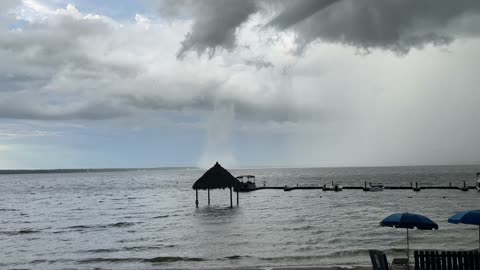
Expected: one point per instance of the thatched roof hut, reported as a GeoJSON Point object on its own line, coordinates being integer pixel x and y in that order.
{"type": "Point", "coordinates": [216, 177]}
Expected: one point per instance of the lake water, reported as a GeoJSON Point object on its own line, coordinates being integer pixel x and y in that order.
{"type": "Point", "coordinates": [148, 219]}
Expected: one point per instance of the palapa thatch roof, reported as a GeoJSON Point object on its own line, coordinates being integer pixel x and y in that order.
{"type": "Point", "coordinates": [216, 177]}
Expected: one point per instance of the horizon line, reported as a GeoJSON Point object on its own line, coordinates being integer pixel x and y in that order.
{"type": "Point", "coordinates": [113, 169]}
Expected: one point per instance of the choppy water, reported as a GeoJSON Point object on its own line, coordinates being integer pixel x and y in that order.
{"type": "Point", "coordinates": [148, 220]}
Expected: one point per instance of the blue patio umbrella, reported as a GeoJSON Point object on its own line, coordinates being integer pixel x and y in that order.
{"type": "Point", "coordinates": [467, 217]}
{"type": "Point", "coordinates": [409, 221]}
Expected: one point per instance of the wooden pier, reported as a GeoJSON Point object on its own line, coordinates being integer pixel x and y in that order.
{"type": "Point", "coordinates": [412, 187]}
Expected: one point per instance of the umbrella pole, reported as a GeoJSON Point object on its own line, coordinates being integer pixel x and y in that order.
{"type": "Point", "coordinates": [231, 202]}
{"type": "Point", "coordinates": [208, 191]}
{"type": "Point", "coordinates": [408, 247]}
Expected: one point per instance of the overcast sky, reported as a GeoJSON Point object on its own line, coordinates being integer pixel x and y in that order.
{"type": "Point", "coordinates": [87, 83]}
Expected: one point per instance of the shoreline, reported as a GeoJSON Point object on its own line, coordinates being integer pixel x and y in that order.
{"type": "Point", "coordinates": [299, 267]}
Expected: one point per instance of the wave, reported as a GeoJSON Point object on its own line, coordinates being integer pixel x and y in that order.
{"type": "Point", "coordinates": [78, 227]}
{"type": "Point", "coordinates": [20, 232]}
{"type": "Point", "coordinates": [347, 254]}
{"type": "Point", "coordinates": [110, 260]}
{"type": "Point", "coordinates": [164, 216]}
{"type": "Point", "coordinates": [288, 258]}
{"type": "Point", "coordinates": [155, 260]}
{"type": "Point", "coordinates": [38, 261]}
{"type": "Point", "coordinates": [236, 257]}
{"type": "Point", "coordinates": [143, 248]}
{"type": "Point", "coordinates": [8, 210]}
{"type": "Point", "coordinates": [131, 248]}
{"type": "Point", "coordinates": [302, 228]}
{"type": "Point", "coordinates": [173, 259]}
{"type": "Point", "coordinates": [121, 224]}
{"type": "Point", "coordinates": [102, 250]}
{"type": "Point", "coordinates": [112, 225]}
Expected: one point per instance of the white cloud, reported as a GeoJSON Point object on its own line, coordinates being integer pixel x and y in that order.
{"type": "Point", "coordinates": [69, 65]}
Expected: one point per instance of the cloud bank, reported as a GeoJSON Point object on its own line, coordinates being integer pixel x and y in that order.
{"type": "Point", "coordinates": [237, 63]}
{"type": "Point", "coordinates": [65, 64]}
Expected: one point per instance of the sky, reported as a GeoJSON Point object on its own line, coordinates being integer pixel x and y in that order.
{"type": "Point", "coordinates": [248, 83]}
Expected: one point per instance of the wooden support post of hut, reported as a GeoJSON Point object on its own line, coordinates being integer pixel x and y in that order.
{"type": "Point", "coordinates": [216, 178]}
{"type": "Point", "coordinates": [196, 195]}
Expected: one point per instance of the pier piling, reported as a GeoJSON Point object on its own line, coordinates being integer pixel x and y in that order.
{"type": "Point", "coordinates": [416, 188]}
{"type": "Point", "coordinates": [464, 188]}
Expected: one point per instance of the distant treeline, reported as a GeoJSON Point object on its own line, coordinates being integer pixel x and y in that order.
{"type": "Point", "coordinates": [92, 170]}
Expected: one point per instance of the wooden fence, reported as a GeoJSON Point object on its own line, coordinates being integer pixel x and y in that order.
{"type": "Point", "coordinates": [447, 260]}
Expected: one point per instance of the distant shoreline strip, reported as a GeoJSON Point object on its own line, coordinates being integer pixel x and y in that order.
{"type": "Point", "coordinates": [21, 171]}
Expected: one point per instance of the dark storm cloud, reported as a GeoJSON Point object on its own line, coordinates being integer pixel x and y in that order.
{"type": "Point", "coordinates": [214, 22]}
{"type": "Point", "coordinates": [396, 25]}
{"type": "Point", "coordinates": [390, 24]}
{"type": "Point", "coordinates": [298, 10]}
